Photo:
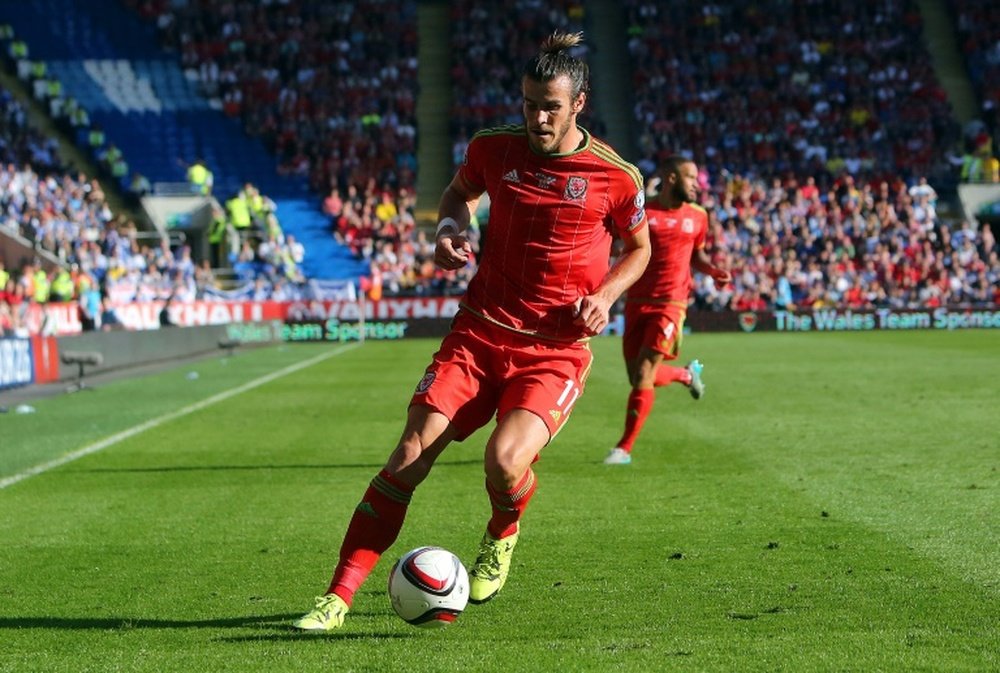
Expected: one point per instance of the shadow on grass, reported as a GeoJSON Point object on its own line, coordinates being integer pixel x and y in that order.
{"type": "Point", "coordinates": [273, 628]}
{"type": "Point", "coordinates": [126, 623]}
{"type": "Point", "coordinates": [300, 636]}
{"type": "Point", "coordinates": [219, 468]}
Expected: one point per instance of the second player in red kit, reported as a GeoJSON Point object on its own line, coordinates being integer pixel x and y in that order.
{"type": "Point", "coordinates": [656, 304]}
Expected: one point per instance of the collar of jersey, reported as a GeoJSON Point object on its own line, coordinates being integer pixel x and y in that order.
{"type": "Point", "coordinates": [583, 148]}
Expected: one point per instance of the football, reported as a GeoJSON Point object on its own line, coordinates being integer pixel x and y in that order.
{"type": "Point", "coordinates": [429, 587]}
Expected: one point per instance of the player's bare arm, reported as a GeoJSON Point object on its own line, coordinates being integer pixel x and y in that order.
{"type": "Point", "coordinates": [452, 248]}
{"type": "Point", "coordinates": [593, 311]}
{"type": "Point", "coordinates": [700, 261]}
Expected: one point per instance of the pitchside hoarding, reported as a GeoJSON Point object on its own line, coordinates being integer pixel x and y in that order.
{"type": "Point", "coordinates": [16, 367]}
{"type": "Point", "coordinates": [402, 317]}
{"type": "Point", "coordinates": [844, 320]}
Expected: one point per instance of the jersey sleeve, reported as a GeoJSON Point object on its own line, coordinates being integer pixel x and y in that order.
{"type": "Point", "coordinates": [699, 241]}
{"type": "Point", "coordinates": [628, 213]}
{"type": "Point", "coordinates": [471, 173]}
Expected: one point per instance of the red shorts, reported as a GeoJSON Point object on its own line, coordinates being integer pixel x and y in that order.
{"type": "Point", "coordinates": [658, 327]}
{"type": "Point", "coordinates": [482, 369]}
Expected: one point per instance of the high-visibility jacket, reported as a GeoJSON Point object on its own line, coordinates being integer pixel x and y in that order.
{"type": "Point", "coordinates": [218, 230]}
{"type": "Point", "coordinates": [62, 284]}
{"type": "Point", "coordinates": [42, 286]}
{"type": "Point", "coordinates": [198, 175]}
{"type": "Point", "coordinates": [239, 212]}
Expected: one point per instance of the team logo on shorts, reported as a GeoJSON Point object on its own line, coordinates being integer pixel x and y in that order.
{"type": "Point", "coordinates": [576, 188]}
{"type": "Point", "coordinates": [426, 382]}
{"type": "Point", "coordinates": [555, 414]}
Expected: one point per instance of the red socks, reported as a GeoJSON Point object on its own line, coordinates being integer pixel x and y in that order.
{"type": "Point", "coordinates": [640, 403]}
{"type": "Point", "coordinates": [373, 528]}
{"type": "Point", "coordinates": [665, 375]}
{"type": "Point", "coordinates": [508, 506]}
{"type": "Point", "coordinates": [379, 516]}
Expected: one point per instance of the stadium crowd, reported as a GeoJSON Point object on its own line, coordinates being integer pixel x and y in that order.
{"type": "Point", "coordinates": [813, 150]}
{"type": "Point", "coordinates": [488, 41]}
{"type": "Point", "coordinates": [978, 25]}
{"type": "Point", "coordinates": [856, 245]}
{"type": "Point", "coordinates": [790, 245]}
{"type": "Point", "coordinates": [379, 226]}
{"type": "Point", "coordinates": [88, 254]}
{"type": "Point", "coordinates": [772, 88]}
{"type": "Point", "coordinates": [330, 87]}
{"type": "Point", "coordinates": [851, 103]}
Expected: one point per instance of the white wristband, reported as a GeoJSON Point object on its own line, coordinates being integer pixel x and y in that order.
{"type": "Point", "coordinates": [447, 223]}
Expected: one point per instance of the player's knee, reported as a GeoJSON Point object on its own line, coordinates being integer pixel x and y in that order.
{"type": "Point", "coordinates": [410, 449]}
{"type": "Point", "coordinates": [410, 462]}
{"type": "Point", "coordinates": [502, 477]}
{"type": "Point", "coordinates": [645, 371]}
{"type": "Point", "coordinates": [503, 468]}
{"type": "Point", "coordinates": [510, 450]}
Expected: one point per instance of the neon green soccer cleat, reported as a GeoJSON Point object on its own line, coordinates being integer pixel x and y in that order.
{"type": "Point", "coordinates": [489, 573]}
{"type": "Point", "coordinates": [328, 615]}
{"type": "Point", "coordinates": [696, 387]}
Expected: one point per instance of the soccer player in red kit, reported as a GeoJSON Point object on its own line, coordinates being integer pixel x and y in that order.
{"type": "Point", "coordinates": [656, 304]}
{"type": "Point", "coordinates": [517, 349]}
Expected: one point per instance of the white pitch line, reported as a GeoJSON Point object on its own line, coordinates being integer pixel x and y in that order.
{"type": "Point", "coordinates": [160, 420]}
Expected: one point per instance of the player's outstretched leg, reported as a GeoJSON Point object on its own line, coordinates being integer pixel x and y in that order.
{"type": "Point", "coordinates": [489, 572]}
{"type": "Point", "coordinates": [374, 526]}
{"type": "Point", "coordinates": [618, 456]}
{"type": "Point", "coordinates": [696, 387]}
{"type": "Point", "coordinates": [328, 614]}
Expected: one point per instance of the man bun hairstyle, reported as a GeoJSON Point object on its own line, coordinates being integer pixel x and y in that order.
{"type": "Point", "coordinates": [554, 60]}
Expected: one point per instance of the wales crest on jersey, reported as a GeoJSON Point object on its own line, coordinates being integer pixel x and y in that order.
{"type": "Point", "coordinates": [576, 188]}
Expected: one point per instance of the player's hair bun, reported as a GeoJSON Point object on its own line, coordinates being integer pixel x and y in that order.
{"type": "Point", "coordinates": [557, 42]}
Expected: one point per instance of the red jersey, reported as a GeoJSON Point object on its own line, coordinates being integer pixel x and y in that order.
{"type": "Point", "coordinates": [674, 236]}
{"type": "Point", "coordinates": [551, 223]}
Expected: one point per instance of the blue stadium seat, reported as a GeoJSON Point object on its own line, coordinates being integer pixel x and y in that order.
{"type": "Point", "coordinates": [110, 61]}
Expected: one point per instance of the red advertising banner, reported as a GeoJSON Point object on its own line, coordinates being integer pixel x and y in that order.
{"type": "Point", "coordinates": [45, 355]}
{"type": "Point", "coordinates": [64, 319]}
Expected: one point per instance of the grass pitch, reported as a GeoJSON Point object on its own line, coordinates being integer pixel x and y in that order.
{"type": "Point", "coordinates": [830, 505]}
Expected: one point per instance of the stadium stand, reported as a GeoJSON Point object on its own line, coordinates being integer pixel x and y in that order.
{"type": "Point", "coordinates": [329, 89]}
{"type": "Point", "coordinates": [770, 88]}
{"type": "Point", "coordinates": [871, 245]}
{"type": "Point", "coordinates": [108, 61]}
{"type": "Point", "coordinates": [977, 23]}
{"type": "Point", "coordinates": [820, 154]}
{"type": "Point", "coordinates": [489, 42]}
{"type": "Point", "coordinates": [816, 126]}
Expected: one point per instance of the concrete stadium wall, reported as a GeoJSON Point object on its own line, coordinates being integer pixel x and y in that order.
{"type": "Point", "coordinates": [132, 348]}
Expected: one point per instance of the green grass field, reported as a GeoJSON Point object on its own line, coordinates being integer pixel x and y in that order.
{"type": "Point", "coordinates": [833, 504]}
